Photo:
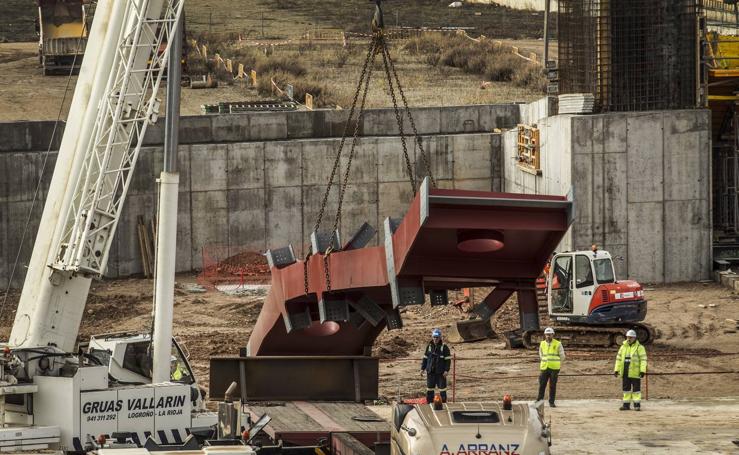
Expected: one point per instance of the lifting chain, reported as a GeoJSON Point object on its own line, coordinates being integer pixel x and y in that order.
{"type": "Point", "coordinates": [378, 44]}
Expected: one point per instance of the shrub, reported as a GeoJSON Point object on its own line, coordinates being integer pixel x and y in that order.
{"type": "Point", "coordinates": [281, 64]}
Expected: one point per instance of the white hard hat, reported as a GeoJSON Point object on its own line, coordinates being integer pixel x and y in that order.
{"type": "Point", "coordinates": [549, 331]}
{"type": "Point", "coordinates": [631, 333]}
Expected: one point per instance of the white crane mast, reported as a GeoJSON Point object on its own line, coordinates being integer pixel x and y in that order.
{"type": "Point", "coordinates": [114, 102]}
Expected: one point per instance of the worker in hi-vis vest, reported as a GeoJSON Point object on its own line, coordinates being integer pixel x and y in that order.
{"type": "Point", "coordinates": [631, 364]}
{"type": "Point", "coordinates": [437, 360]}
{"type": "Point", "coordinates": [551, 355]}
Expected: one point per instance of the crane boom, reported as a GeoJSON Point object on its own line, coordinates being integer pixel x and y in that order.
{"type": "Point", "coordinates": [114, 102]}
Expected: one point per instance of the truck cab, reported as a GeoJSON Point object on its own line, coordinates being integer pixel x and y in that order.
{"type": "Point", "coordinates": [129, 360]}
{"type": "Point", "coordinates": [582, 288]}
{"type": "Point", "coordinates": [465, 428]}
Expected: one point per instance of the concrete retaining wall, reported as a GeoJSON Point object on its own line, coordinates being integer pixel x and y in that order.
{"type": "Point", "coordinates": [256, 180]}
{"type": "Point", "coordinates": [642, 187]}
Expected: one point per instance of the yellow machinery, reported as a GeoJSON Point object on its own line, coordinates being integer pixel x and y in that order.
{"type": "Point", "coordinates": [62, 30]}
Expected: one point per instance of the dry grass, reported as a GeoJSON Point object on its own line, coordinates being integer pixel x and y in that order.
{"type": "Point", "coordinates": [482, 58]}
{"type": "Point", "coordinates": [432, 71]}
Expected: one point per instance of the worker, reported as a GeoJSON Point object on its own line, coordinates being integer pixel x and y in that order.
{"type": "Point", "coordinates": [437, 361]}
{"type": "Point", "coordinates": [551, 355]}
{"type": "Point", "coordinates": [631, 364]}
{"type": "Point", "coordinates": [177, 371]}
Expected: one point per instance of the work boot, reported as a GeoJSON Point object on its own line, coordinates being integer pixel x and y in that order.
{"type": "Point", "coordinates": [637, 407]}
{"type": "Point", "coordinates": [625, 407]}
{"type": "Point", "coordinates": [552, 405]}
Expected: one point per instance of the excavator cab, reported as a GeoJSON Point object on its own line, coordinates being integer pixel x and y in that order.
{"type": "Point", "coordinates": [573, 280]}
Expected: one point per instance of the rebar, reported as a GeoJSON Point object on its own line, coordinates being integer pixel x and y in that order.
{"type": "Point", "coordinates": [632, 55]}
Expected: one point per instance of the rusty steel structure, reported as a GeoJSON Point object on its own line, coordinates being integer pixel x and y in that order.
{"type": "Point", "coordinates": [632, 55]}
{"type": "Point", "coordinates": [325, 313]}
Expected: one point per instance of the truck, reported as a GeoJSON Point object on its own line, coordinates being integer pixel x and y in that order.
{"type": "Point", "coordinates": [501, 427]}
{"type": "Point", "coordinates": [55, 392]}
{"type": "Point", "coordinates": [63, 28]}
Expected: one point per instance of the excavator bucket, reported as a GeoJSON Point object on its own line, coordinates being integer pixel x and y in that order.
{"type": "Point", "coordinates": [471, 330]}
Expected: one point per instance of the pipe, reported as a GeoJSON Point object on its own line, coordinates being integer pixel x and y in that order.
{"type": "Point", "coordinates": [167, 220]}
{"type": "Point", "coordinates": [165, 271]}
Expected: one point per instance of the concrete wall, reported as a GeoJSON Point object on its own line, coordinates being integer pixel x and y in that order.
{"type": "Point", "coordinates": [642, 187]}
{"type": "Point", "coordinates": [256, 180]}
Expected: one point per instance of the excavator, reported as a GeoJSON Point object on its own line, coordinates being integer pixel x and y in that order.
{"type": "Point", "coordinates": [55, 392]}
{"type": "Point", "coordinates": [578, 291]}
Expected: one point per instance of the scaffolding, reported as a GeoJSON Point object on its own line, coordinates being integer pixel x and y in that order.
{"type": "Point", "coordinates": [632, 55]}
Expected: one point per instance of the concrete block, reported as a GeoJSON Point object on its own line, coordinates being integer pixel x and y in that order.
{"type": "Point", "coordinates": [246, 219]}
{"type": "Point", "coordinates": [360, 206]}
{"type": "Point", "coordinates": [582, 183]}
{"type": "Point", "coordinates": [268, 126]}
{"type": "Point", "coordinates": [14, 136]}
{"type": "Point", "coordinates": [471, 156]}
{"type": "Point", "coordinates": [148, 168]}
{"type": "Point", "coordinates": [391, 164]}
{"type": "Point", "coordinates": [615, 133]}
{"type": "Point", "coordinates": [646, 242]}
{"type": "Point", "coordinates": [645, 152]}
{"type": "Point", "coordinates": [184, 231]}
{"type": "Point", "coordinates": [331, 122]}
{"type": "Point", "coordinates": [16, 215]}
{"type": "Point", "coordinates": [155, 133]}
{"type": "Point", "coordinates": [501, 116]}
{"type": "Point", "coordinates": [183, 167]}
{"type": "Point", "coordinates": [427, 120]}
{"type": "Point", "coordinates": [318, 160]}
{"type": "Point", "coordinates": [283, 218]}
{"type": "Point", "coordinates": [231, 127]}
{"type": "Point", "coordinates": [394, 198]}
{"type": "Point", "coordinates": [283, 163]}
{"type": "Point", "coordinates": [497, 161]}
{"type": "Point", "coordinates": [614, 198]}
{"type": "Point", "coordinates": [382, 122]}
{"type": "Point", "coordinates": [196, 129]}
{"type": "Point", "coordinates": [312, 199]}
{"type": "Point", "coordinates": [474, 184]}
{"type": "Point", "coordinates": [440, 156]}
{"type": "Point", "coordinates": [687, 240]}
{"type": "Point", "coordinates": [208, 167]}
{"type": "Point", "coordinates": [129, 252]}
{"type": "Point", "coordinates": [300, 124]}
{"type": "Point", "coordinates": [460, 119]}
{"type": "Point", "coordinates": [582, 135]}
{"type": "Point", "coordinates": [364, 162]}
{"type": "Point", "coordinates": [686, 156]}
{"type": "Point", "coordinates": [42, 136]}
{"type": "Point", "coordinates": [246, 165]}
{"type": "Point", "coordinates": [22, 174]}
{"type": "Point", "coordinates": [209, 222]}
{"type": "Point", "coordinates": [5, 264]}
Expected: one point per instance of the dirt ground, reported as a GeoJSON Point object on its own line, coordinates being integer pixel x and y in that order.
{"type": "Point", "coordinates": [690, 339]}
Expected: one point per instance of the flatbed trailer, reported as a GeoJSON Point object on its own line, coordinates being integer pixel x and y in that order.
{"type": "Point", "coordinates": [347, 428]}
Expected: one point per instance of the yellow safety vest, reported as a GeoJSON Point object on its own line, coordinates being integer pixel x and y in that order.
{"type": "Point", "coordinates": [178, 373]}
{"type": "Point", "coordinates": [550, 359]}
{"type": "Point", "coordinates": [637, 356]}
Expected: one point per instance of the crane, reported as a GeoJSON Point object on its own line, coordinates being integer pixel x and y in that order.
{"type": "Point", "coordinates": [50, 394]}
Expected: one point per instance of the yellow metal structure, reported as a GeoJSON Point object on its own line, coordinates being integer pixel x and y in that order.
{"type": "Point", "coordinates": [528, 156]}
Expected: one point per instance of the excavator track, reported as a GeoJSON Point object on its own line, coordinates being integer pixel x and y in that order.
{"type": "Point", "coordinates": [591, 336]}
